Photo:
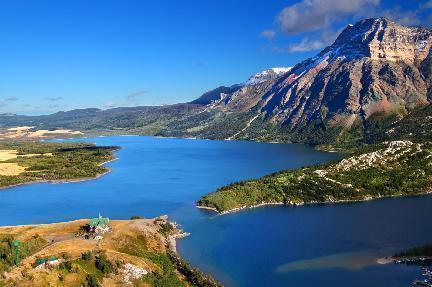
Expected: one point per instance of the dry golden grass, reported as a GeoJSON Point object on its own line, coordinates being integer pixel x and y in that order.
{"type": "Point", "coordinates": [11, 169]}
{"type": "Point", "coordinates": [61, 240]}
{"type": "Point", "coordinates": [7, 154]}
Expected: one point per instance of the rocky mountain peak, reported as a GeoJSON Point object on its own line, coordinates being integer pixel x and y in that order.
{"type": "Point", "coordinates": [375, 68]}
{"type": "Point", "coordinates": [267, 75]}
{"type": "Point", "coordinates": [383, 39]}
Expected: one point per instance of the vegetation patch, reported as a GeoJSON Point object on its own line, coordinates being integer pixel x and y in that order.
{"type": "Point", "coordinates": [389, 169]}
{"type": "Point", "coordinates": [8, 254]}
{"type": "Point", "coordinates": [32, 162]}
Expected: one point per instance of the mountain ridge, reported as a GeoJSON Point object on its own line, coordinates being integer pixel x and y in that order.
{"type": "Point", "coordinates": [339, 87]}
{"type": "Point", "coordinates": [374, 73]}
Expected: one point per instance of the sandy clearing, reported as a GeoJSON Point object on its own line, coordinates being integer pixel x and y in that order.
{"type": "Point", "coordinates": [26, 132]}
{"type": "Point", "coordinates": [12, 154]}
{"type": "Point", "coordinates": [40, 133]}
{"type": "Point", "coordinates": [23, 128]}
{"type": "Point", "coordinates": [35, 154]}
{"type": "Point", "coordinates": [7, 154]}
{"type": "Point", "coordinates": [11, 169]}
{"type": "Point", "coordinates": [65, 132]}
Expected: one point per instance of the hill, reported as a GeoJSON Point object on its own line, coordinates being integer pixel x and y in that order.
{"type": "Point", "coordinates": [139, 252]}
{"type": "Point", "coordinates": [395, 168]}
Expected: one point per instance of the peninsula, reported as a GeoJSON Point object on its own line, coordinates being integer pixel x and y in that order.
{"type": "Point", "coordinates": [96, 252]}
{"type": "Point", "coordinates": [29, 162]}
{"type": "Point", "coordinates": [394, 168]}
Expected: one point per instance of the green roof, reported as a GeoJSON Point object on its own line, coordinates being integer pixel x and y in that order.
{"type": "Point", "coordinates": [99, 221]}
{"type": "Point", "coordinates": [43, 260]}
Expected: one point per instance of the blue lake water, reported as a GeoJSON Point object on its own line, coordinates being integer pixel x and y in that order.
{"type": "Point", "coordinates": [320, 245]}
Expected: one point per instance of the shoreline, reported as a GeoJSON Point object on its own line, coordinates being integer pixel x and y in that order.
{"type": "Point", "coordinates": [403, 260]}
{"type": "Point", "coordinates": [172, 239]}
{"type": "Point", "coordinates": [291, 204]}
{"type": "Point", "coordinates": [63, 181]}
{"type": "Point", "coordinates": [96, 135]}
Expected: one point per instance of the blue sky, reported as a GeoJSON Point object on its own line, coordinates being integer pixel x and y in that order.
{"type": "Point", "coordinates": [61, 55]}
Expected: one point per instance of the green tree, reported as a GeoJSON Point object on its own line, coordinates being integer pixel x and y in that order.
{"type": "Point", "coordinates": [91, 281]}
{"type": "Point", "coordinates": [103, 264]}
{"type": "Point", "coordinates": [86, 256]}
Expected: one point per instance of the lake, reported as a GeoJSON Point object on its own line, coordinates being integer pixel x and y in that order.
{"type": "Point", "coordinates": [325, 245]}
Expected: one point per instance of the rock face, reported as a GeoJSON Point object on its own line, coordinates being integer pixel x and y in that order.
{"type": "Point", "coordinates": [375, 67]}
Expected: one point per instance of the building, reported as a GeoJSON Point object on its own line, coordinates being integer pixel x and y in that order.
{"type": "Point", "coordinates": [99, 225]}
{"type": "Point", "coordinates": [41, 263]}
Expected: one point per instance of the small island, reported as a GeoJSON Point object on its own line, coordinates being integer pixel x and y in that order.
{"type": "Point", "coordinates": [28, 162]}
{"type": "Point", "coordinates": [96, 252]}
{"type": "Point", "coordinates": [394, 168]}
{"type": "Point", "coordinates": [419, 256]}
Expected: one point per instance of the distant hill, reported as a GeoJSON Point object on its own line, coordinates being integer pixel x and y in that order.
{"type": "Point", "coordinates": [376, 73]}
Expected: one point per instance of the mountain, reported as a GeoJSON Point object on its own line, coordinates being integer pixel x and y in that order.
{"type": "Point", "coordinates": [215, 95]}
{"type": "Point", "coordinates": [375, 74]}
{"type": "Point", "coordinates": [375, 68]}
{"type": "Point", "coordinates": [222, 91]}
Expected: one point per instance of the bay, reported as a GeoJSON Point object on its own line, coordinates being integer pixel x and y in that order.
{"type": "Point", "coordinates": [317, 245]}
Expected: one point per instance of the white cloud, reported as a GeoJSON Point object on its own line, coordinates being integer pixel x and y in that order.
{"type": "Point", "coordinates": [321, 21]}
{"type": "Point", "coordinates": [324, 39]}
{"type": "Point", "coordinates": [268, 34]}
{"type": "Point", "coordinates": [313, 15]}
{"type": "Point", "coordinates": [306, 45]}
{"type": "Point", "coordinates": [109, 105]}
{"type": "Point", "coordinates": [167, 103]}
{"type": "Point", "coordinates": [12, 99]}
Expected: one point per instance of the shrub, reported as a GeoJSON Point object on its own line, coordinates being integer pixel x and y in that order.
{"type": "Point", "coordinates": [103, 264]}
{"type": "Point", "coordinates": [91, 281]}
{"type": "Point", "coordinates": [166, 228]}
{"type": "Point", "coordinates": [86, 256]}
{"type": "Point", "coordinates": [66, 265]}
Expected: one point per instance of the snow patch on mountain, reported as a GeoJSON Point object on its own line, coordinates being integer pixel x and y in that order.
{"type": "Point", "coordinates": [266, 75]}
